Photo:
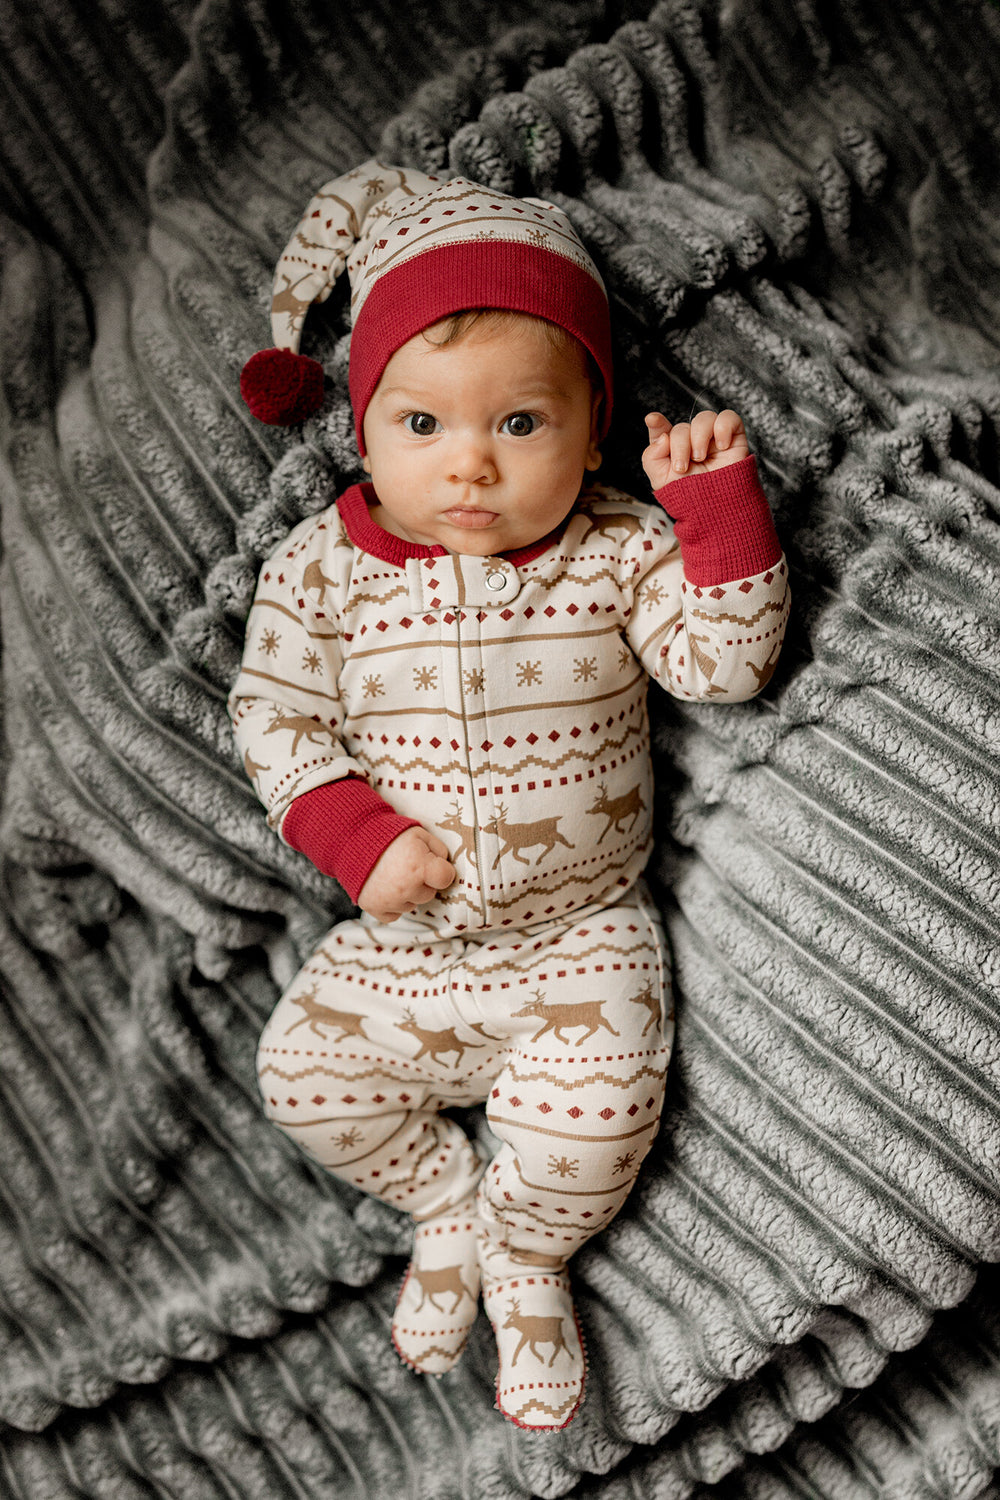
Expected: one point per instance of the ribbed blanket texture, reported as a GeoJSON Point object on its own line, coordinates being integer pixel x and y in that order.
{"type": "Point", "coordinates": [795, 205]}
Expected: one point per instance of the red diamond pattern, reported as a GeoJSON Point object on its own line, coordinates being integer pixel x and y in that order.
{"type": "Point", "coordinates": [546, 1109]}
{"type": "Point", "coordinates": [576, 1112]}
{"type": "Point", "coordinates": [318, 1099]}
{"type": "Point", "coordinates": [515, 1101]}
{"type": "Point", "coordinates": [717, 593]}
{"type": "Point", "coordinates": [606, 1114]}
{"type": "Point", "coordinates": [745, 587]}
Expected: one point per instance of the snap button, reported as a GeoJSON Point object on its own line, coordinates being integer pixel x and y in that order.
{"type": "Point", "coordinates": [496, 580]}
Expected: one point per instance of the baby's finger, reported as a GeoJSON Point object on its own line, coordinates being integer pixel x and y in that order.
{"type": "Point", "coordinates": [680, 446]}
{"type": "Point", "coordinates": [439, 873]}
{"type": "Point", "coordinates": [701, 434]}
{"type": "Point", "coordinates": [434, 844]}
{"type": "Point", "coordinates": [728, 424]}
{"type": "Point", "coordinates": [657, 423]}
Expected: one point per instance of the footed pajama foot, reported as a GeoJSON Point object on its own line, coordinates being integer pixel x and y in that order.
{"type": "Point", "coordinates": [439, 1299]}
{"type": "Point", "coordinates": [542, 1361]}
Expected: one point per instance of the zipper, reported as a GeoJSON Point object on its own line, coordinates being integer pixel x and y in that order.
{"type": "Point", "coordinates": [468, 766]}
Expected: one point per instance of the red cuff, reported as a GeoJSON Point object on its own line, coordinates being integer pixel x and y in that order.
{"type": "Point", "coordinates": [343, 827]}
{"type": "Point", "coordinates": [723, 523]}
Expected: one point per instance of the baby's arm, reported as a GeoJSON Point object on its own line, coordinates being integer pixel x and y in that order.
{"type": "Point", "coordinates": [710, 599]}
{"type": "Point", "coordinates": [288, 718]}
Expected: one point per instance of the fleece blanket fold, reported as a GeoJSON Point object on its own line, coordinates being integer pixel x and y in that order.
{"type": "Point", "coordinates": [795, 207]}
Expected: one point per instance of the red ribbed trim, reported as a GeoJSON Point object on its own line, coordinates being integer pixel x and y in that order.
{"type": "Point", "coordinates": [375, 540]}
{"type": "Point", "coordinates": [723, 523]}
{"type": "Point", "coordinates": [343, 827]}
{"type": "Point", "coordinates": [484, 273]}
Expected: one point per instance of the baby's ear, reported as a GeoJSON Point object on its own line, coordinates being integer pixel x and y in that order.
{"type": "Point", "coordinates": [366, 464]}
{"type": "Point", "coordinates": [593, 458]}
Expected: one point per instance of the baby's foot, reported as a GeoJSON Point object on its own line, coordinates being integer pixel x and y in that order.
{"type": "Point", "coordinates": [542, 1362]}
{"type": "Point", "coordinates": [439, 1299]}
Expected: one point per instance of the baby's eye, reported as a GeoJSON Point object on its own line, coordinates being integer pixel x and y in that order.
{"type": "Point", "coordinates": [519, 424]}
{"type": "Point", "coordinates": [421, 423]}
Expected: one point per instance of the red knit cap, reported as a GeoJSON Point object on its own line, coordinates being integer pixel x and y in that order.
{"type": "Point", "coordinates": [417, 249]}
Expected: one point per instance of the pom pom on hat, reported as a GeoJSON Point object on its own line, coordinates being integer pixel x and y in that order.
{"type": "Point", "coordinates": [281, 387]}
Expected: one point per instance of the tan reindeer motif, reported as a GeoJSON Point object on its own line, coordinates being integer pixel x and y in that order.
{"type": "Point", "coordinates": [557, 1018]}
{"type": "Point", "coordinates": [438, 1284]}
{"type": "Point", "coordinates": [435, 1044]}
{"type": "Point", "coordinates": [614, 521]}
{"type": "Point", "coordinates": [535, 1330]}
{"type": "Point", "coordinates": [763, 674]}
{"type": "Point", "coordinates": [617, 809]}
{"type": "Point", "coordinates": [648, 997]}
{"type": "Point", "coordinates": [286, 300]}
{"type": "Point", "coordinates": [525, 836]}
{"type": "Point", "coordinates": [347, 1022]}
{"type": "Point", "coordinates": [299, 725]}
{"type": "Point", "coordinates": [466, 832]}
{"type": "Point", "coordinates": [313, 577]}
{"type": "Point", "coordinates": [252, 767]}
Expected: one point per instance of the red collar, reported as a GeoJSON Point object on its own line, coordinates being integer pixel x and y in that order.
{"type": "Point", "coordinates": [374, 539]}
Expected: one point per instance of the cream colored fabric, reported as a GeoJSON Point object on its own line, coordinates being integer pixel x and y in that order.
{"type": "Point", "coordinates": [564, 1029]}
{"type": "Point", "coordinates": [376, 217]}
{"type": "Point", "coordinates": [503, 707]}
{"type": "Point", "coordinates": [439, 1299]}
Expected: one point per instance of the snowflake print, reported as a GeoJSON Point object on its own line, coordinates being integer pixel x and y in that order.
{"type": "Point", "coordinates": [624, 1163]}
{"type": "Point", "coordinates": [373, 686]}
{"type": "Point", "coordinates": [374, 185]}
{"type": "Point", "coordinates": [623, 658]}
{"type": "Point", "coordinates": [425, 677]}
{"type": "Point", "coordinates": [347, 1139]}
{"type": "Point", "coordinates": [585, 668]}
{"type": "Point", "coordinates": [270, 641]}
{"type": "Point", "coordinates": [653, 595]}
{"type": "Point", "coordinates": [528, 673]}
{"type": "Point", "coordinates": [472, 679]}
{"type": "Point", "coordinates": [564, 1166]}
{"type": "Point", "coordinates": [311, 661]}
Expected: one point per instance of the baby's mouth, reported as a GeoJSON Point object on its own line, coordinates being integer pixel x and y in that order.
{"type": "Point", "coordinates": [471, 518]}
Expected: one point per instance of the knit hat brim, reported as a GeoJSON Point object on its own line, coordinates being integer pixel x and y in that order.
{"type": "Point", "coordinates": [495, 274]}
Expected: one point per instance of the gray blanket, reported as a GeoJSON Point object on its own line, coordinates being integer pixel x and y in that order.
{"type": "Point", "coordinates": [795, 206]}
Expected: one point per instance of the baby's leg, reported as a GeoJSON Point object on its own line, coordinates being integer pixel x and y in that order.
{"type": "Point", "coordinates": [577, 1107]}
{"type": "Point", "coordinates": [354, 1065]}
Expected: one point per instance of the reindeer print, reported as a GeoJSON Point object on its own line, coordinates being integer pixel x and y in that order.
{"type": "Point", "coordinates": [648, 997]}
{"type": "Point", "coordinates": [435, 1044]}
{"type": "Point", "coordinates": [347, 1023]}
{"type": "Point", "coordinates": [518, 836]}
{"type": "Point", "coordinates": [534, 1331]}
{"type": "Point", "coordinates": [313, 578]}
{"type": "Point", "coordinates": [556, 1018]}
{"type": "Point", "coordinates": [300, 726]}
{"type": "Point", "coordinates": [617, 809]}
{"type": "Point", "coordinates": [615, 526]}
{"type": "Point", "coordinates": [252, 767]}
{"type": "Point", "coordinates": [445, 1281]}
{"type": "Point", "coordinates": [466, 832]}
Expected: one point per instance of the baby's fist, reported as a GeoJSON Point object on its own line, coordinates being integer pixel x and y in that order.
{"type": "Point", "coordinates": [408, 873]}
{"type": "Point", "coordinates": [711, 441]}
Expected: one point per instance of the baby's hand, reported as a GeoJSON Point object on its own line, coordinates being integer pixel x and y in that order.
{"type": "Point", "coordinates": [712, 440]}
{"type": "Point", "coordinates": [407, 874]}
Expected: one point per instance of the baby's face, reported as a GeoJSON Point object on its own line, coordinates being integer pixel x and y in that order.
{"type": "Point", "coordinates": [481, 445]}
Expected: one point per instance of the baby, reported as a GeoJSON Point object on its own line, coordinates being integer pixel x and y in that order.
{"type": "Point", "coordinates": [443, 703]}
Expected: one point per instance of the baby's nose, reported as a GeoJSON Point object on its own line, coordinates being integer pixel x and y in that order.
{"type": "Point", "coordinates": [472, 461]}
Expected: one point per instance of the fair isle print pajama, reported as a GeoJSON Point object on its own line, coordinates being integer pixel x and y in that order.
{"type": "Point", "coordinates": [563, 1029]}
